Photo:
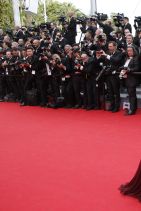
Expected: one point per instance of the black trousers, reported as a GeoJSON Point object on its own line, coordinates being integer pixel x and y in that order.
{"type": "Point", "coordinates": [77, 82]}
{"type": "Point", "coordinates": [68, 92]}
{"type": "Point", "coordinates": [32, 81]}
{"type": "Point", "coordinates": [90, 94]}
{"type": "Point", "coordinates": [13, 85]}
{"type": "Point", "coordinates": [132, 98]}
{"type": "Point", "coordinates": [113, 83]}
{"type": "Point", "coordinates": [2, 86]}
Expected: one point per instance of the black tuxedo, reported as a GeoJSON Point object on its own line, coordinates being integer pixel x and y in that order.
{"type": "Point", "coordinates": [90, 88]}
{"type": "Point", "coordinates": [128, 26]}
{"type": "Point", "coordinates": [113, 82]}
{"type": "Point", "coordinates": [131, 82]}
{"type": "Point", "coordinates": [71, 31]}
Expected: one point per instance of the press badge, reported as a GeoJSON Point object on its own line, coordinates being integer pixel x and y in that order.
{"type": "Point", "coordinates": [33, 72]}
{"type": "Point", "coordinates": [48, 70]}
{"type": "Point", "coordinates": [6, 71]}
{"type": "Point", "coordinates": [63, 79]}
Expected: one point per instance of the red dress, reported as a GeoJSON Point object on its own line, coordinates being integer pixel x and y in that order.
{"type": "Point", "coordinates": [133, 188]}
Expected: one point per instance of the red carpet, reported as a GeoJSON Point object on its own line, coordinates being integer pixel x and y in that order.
{"type": "Point", "coordinates": [66, 160]}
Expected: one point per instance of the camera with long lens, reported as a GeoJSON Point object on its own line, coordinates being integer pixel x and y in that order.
{"type": "Point", "coordinates": [118, 19]}
{"type": "Point", "coordinates": [77, 64]}
{"type": "Point", "coordinates": [137, 23]}
{"type": "Point", "coordinates": [45, 26]}
{"type": "Point", "coordinates": [81, 20]}
{"type": "Point", "coordinates": [100, 17]}
{"type": "Point", "coordinates": [62, 19]}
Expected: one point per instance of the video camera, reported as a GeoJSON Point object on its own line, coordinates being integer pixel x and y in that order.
{"type": "Point", "coordinates": [118, 19]}
{"type": "Point", "coordinates": [100, 17]}
{"type": "Point", "coordinates": [137, 23]}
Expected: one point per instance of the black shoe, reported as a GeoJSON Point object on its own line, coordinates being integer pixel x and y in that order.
{"type": "Point", "coordinates": [43, 105]}
{"type": "Point", "coordinates": [77, 106]}
{"type": "Point", "coordinates": [83, 107]}
{"type": "Point", "coordinates": [130, 112]}
{"type": "Point", "coordinates": [97, 108]}
{"type": "Point", "coordinates": [110, 109]}
{"type": "Point", "coordinates": [115, 110]}
{"type": "Point", "coordinates": [1, 99]}
{"type": "Point", "coordinates": [23, 104]}
{"type": "Point", "coordinates": [68, 106]}
{"type": "Point", "coordinates": [89, 108]}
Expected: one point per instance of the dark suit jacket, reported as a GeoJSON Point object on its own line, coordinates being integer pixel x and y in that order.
{"type": "Point", "coordinates": [116, 61]}
{"type": "Point", "coordinates": [128, 26]}
{"type": "Point", "coordinates": [133, 66]}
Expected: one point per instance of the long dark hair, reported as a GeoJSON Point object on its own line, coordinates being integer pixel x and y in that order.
{"type": "Point", "coordinates": [135, 53]}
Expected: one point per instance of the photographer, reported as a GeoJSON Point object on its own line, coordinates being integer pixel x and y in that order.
{"type": "Point", "coordinates": [87, 43]}
{"type": "Point", "coordinates": [77, 78]}
{"type": "Point", "coordinates": [107, 28]}
{"type": "Point", "coordinates": [10, 66]}
{"type": "Point", "coordinates": [37, 47]}
{"type": "Point", "coordinates": [127, 25]}
{"type": "Point", "coordinates": [89, 74]}
{"type": "Point", "coordinates": [129, 42]}
{"type": "Point", "coordinates": [100, 41]}
{"type": "Point", "coordinates": [72, 31]}
{"type": "Point", "coordinates": [130, 66]}
{"type": "Point", "coordinates": [58, 44]}
{"type": "Point", "coordinates": [57, 69]}
{"type": "Point", "coordinates": [31, 67]}
{"type": "Point", "coordinates": [137, 39]}
{"type": "Point", "coordinates": [114, 59]}
{"type": "Point", "coordinates": [91, 26]}
{"type": "Point", "coordinates": [68, 65]}
{"type": "Point", "coordinates": [53, 30]}
{"type": "Point", "coordinates": [2, 77]}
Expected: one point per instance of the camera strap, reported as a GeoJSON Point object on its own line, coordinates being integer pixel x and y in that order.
{"type": "Point", "coordinates": [48, 69]}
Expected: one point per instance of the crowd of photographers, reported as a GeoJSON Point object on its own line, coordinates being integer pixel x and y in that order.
{"type": "Point", "coordinates": [45, 66]}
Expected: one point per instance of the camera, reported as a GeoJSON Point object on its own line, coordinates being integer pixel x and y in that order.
{"type": "Point", "coordinates": [101, 38]}
{"type": "Point", "coordinates": [101, 17]}
{"type": "Point", "coordinates": [58, 62]}
{"type": "Point", "coordinates": [137, 22]}
{"type": "Point", "coordinates": [123, 73]}
{"type": "Point", "coordinates": [81, 20]}
{"type": "Point", "coordinates": [118, 19]}
{"type": "Point", "coordinates": [45, 26]}
{"type": "Point", "coordinates": [62, 19]}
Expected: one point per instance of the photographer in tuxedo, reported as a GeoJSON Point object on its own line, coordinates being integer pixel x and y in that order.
{"type": "Point", "coordinates": [31, 68]}
{"type": "Point", "coordinates": [131, 65]}
{"type": "Point", "coordinates": [91, 68]}
{"type": "Point", "coordinates": [127, 25]}
{"type": "Point", "coordinates": [114, 60]}
{"type": "Point", "coordinates": [71, 29]}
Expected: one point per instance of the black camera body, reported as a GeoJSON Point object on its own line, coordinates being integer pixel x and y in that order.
{"type": "Point", "coordinates": [118, 19]}
{"type": "Point", "coordinates": [58, 61]}
{"type": "Point", "coordinates": [81, 20]}
{"type": "Point", "coordinates": [62, 19]}
{"type": "Point", "coordinates": [101, 17]}
{"type": "Point", "coordinates": [137, 23]}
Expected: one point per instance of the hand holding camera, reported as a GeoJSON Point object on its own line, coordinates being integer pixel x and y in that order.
{"type": "Point", "coordinates": [123, 74]}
